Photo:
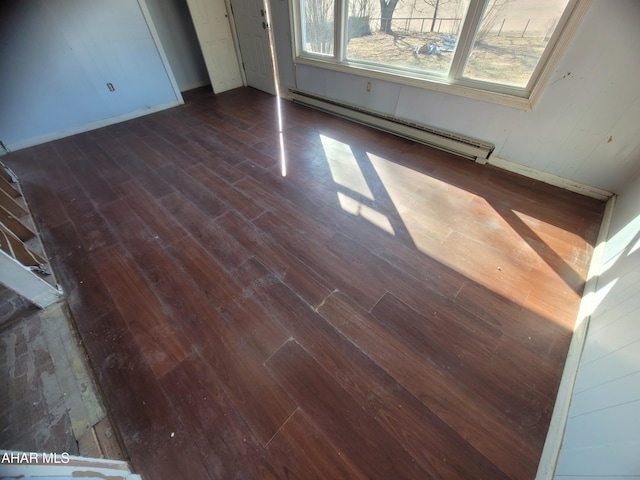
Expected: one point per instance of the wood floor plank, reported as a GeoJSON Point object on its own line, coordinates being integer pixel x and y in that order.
{"type": "Point", "coordinates": [110, 144]}
{"type": "Point", "coordinates": [397, 281]}
{"type": "Point", "coordinates": [205, 199]}
{"type": "Point", "coordinates": [36, 188]}
{"type": "Point", "coordinates": [242, 203]}
{"type": "Point", "coordinates": [304, 453]}
{"type": "Point", "coordinates": [161, 225]}
{"type": "Point", "coordinates": [343, 421]}
{"type": "Point", "coordinates": [336, 268]}
{"type": "Point", "coordinates": [243, 319]}
{"type": "Point", "coordinates": [211, 140]}
{"type": "Point", "coordinates": [97, 189]}
{"type": "Point", "coordinates": [504, 277]}
{"type": "Point", "coordinates": [67, 150]}
{"type": "Point", "coordinates": [303, 196]}
{"type": "Point", "coordinates": [51, 218]}
{"type": "Point", "coordinates": [186, 304]}
{"type": "Point", "coordinates": [263, 403]}
{"type": "Point", "coordinates": [161, 343]}
{"type": "Point", "coordinates": [233, 127]}
{"type": "Point", "coordinates": [172, 132]}
{"type": "Point", "coordinates": [86, 294]}
{"type": "Point", "coordinates": [144, 175]}
{"type": "Point", "coordinates": [333, 351]}
{"type": "Point", "coordinates": [432, 443]}
{"type": "Point", "coordinates": [224, 246]}
{"type": "Point", "coordinates": [430, 271]}
{"type": "Point", "coordinates": [141, 148]}
{"type": "Point", "coordinates": [53, 168]}
{"type": "Point", "coordinates": [295, 273]}
{"type": "Point", "coordinates": [542, 336]}
{"type": "Point", "coordinates": [94, 233]}
{"type": "Point", "coordinates": [470, 358]}
{"type": "Point", "coordinates": [215, 425]}
{"type": "Point", "coordinates": [175, 156]}
{"type": "Point", "coordinates": [491, 437]}
{"type": "Point", "coordinates": [107, 167]}
{"type": "Point", "coordinates": [338, 315]}
{"type": "Point", "coordinates": [159, 444]}
{"type": "Point", "coordinates": [246, 337]}
{"type": "Point", "coordinates": [211, 161]}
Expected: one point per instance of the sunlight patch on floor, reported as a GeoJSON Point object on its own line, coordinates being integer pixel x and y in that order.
{"type": "Point", "coordinates": [443, 220]}
{"type": "Point", "coordinates": [504, 267]}
{"type": "Point", "coordinates": [359, 209]}
{"type": "Point", "coordinates": [344, 167]}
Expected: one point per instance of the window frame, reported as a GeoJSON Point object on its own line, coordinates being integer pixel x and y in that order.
{"type": "Point", "coordinates": [454, 83]}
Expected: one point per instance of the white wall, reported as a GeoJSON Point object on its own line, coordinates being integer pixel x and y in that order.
{"type": "Point", "coordinates": [602, 438]}
{"type": "Point", "coordinates": [179, 41]}
{"type": "Point", "coordinates": [57, 57]}
{"type": "Point", "coordinates": [566, 134]}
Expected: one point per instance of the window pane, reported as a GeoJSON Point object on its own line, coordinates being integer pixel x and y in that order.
{"type": "Point", "coordinates": [420, 35]}
{"type": "Point", "coordinates": [512, 37]}
{"type": "Point", "coordinates": [318, 24]}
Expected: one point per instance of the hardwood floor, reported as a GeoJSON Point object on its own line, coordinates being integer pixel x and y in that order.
{"type": "Point", "coordinates": [383, 311]}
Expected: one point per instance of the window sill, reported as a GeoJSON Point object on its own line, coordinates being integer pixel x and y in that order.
{"type": "Point", "coordinates": [415, 80]}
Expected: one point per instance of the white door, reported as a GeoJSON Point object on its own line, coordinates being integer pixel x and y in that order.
{"type": "Point", "coordinates": [253, 36]}
{"type": "Point", "coordinates": [211, 21]}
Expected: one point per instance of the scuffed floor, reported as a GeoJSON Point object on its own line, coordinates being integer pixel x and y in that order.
{"type": "Point", "coordinates": [48, 401]}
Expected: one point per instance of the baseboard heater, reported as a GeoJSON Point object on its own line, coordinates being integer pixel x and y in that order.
{"type": "Point", "coordinates": [434, 137]}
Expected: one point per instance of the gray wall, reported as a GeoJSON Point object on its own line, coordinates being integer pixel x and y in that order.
{"type": "Point", "coordinates": [179, 41]}
{"type": "Point", "coordinates": [58, 55]}
{"type": "Point", "coordinates": [567, 133]}
{"type": "Point", "coordinates": [602, 437]}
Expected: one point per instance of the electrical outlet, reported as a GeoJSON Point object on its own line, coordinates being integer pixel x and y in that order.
{"type": "Point", "coordinates": [368, 86]}
{"type": "Point", "coordinates": [111, 87]}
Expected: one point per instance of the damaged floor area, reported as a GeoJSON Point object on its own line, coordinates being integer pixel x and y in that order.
{"type": "Point", "coordinates": [48, 400]}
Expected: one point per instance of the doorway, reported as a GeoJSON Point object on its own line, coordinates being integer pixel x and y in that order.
{"type": "Point", "coordinates": [251, 20]}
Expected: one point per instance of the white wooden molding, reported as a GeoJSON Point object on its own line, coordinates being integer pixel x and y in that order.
{"type": "Point", "coordinates": [191, 86]}
{"type": "Point", "coordinates": [49, 137]}
{"type": "Point", "coordinates": [25, 283]}
{"type": "Point", "coordinates": [549, 178]}
{"type": "Point", "coordinates": [163, 56]}
{"type": "Point", "coordinates": [559, 49]}
{"type": "Point", "coordinates": [555, 434]}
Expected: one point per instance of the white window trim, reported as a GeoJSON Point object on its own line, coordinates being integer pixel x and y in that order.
{"type": "Point", "coordinates": [522, 98]}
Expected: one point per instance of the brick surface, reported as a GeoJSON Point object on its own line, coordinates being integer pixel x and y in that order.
{"type": "Point", "coordinates": [12, 306]}
{"type": "Point", "coordinates": [48, 401]}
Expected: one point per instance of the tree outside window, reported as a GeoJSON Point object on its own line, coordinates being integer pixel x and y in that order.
{"type": "Point", "coordinates": [476, 42]}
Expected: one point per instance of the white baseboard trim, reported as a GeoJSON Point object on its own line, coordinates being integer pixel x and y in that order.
{"type": "Point", "coordinates": [49, 137]}
{"type": "Point", "coordinates": [192, 86]}
{"type": "Point", "coordinates": [555, 434]}
{"type": "Point", "coordinates": [549, 178]}
{"type": "Point", "coordinates": [285, 95]}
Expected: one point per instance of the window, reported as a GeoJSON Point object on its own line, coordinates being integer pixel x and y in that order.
{"type": "Point", "coordinates": [496, 50]}
{"type": "Point", "coordinates": [318, 26]}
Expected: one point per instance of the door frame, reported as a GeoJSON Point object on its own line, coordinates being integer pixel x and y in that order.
{"type": "Point", "coordinates": [236, 42]}
{"type": "Point", "coordinates": [236, 45]}
{"type": "Point", "coordinates": [163, 56]}
{"type": "Point", "coordinates": [272, 45]}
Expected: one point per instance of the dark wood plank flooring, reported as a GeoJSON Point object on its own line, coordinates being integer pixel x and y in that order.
{"type": "Point", "coordinates": [383, 311]}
